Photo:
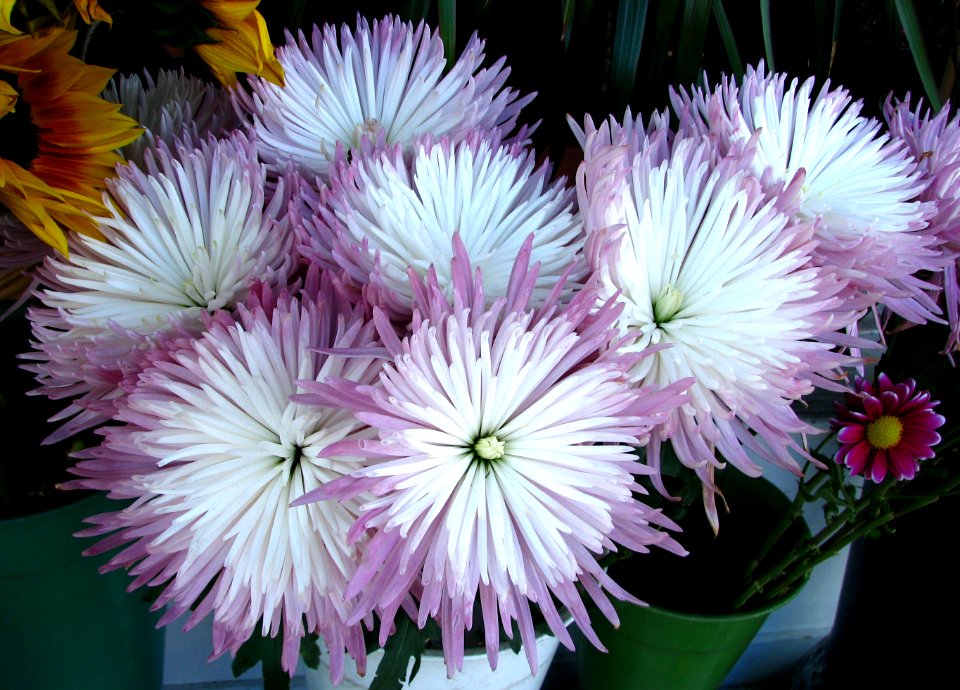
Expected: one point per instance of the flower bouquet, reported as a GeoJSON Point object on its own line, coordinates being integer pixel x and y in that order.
{"type": "Point", "coordinates": [361, 368]}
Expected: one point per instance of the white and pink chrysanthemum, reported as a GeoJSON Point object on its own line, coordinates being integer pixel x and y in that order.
{"type": "Point", "coordinates": [504, 465]}
{"type": "Point", "coordinates": [385, 213]}
{"type": "Point", "coordinates": [706, 264]}
{"type": "Point", "coordinates": [213, 451]}
{"type": "Point", "coordinates": [186, 236]}
{"type": "Point", "coordinates": [171, 107]}
{"type": "Point", "coordinates": [859, 186]}
{"type": "Point", "coordinates": [934, 143]}
{"type": "Point", "coordinates": [388, 80]}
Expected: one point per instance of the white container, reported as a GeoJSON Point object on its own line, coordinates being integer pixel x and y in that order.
{"type": "Point", "coordinates": [513, 672]}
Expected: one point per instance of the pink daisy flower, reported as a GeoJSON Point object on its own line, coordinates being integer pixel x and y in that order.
{"type": "Point", "coordinates": [859, 187]}
{"type": "Point", "coordinates": [388, 81]}
{"type": "Point", "coordinates": [385, 213]}
{"type": "Point", "coordinates": [886, 428]}
{"type": "Point", "coordinates": [504, 463]}
{"type": "Point", "coordinates": [186, 236]}
{"type": "Point", "coordinates": [704, 262]}
{"type": "Point", "coordinates": [213, 451]}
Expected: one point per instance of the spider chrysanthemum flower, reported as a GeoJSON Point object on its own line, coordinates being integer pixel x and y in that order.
{"type": "Point", "coordinates": [214, 451]}
{"type": "Point", "coordinates": [886, 428]}
{"type": "Point", "coordinates": [505, 462]}
{"type": "Point", "coordinates": [704, 262]}
{"type": "Point", "coordinates": [386, 81]}
{"type": "Point", "coordinates": [934, 143]}
{"type": "Point", "coordinates": [186, 236]}
{"type": "Point", "coordinates": [385, 213]}
{"type": "Point", "coordinates": [170, 107]}
{"type": "Point", "coordinates": [859, 185]}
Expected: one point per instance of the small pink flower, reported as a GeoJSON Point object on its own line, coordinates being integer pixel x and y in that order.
{"type": "Point", "coordinates": [886, 428]}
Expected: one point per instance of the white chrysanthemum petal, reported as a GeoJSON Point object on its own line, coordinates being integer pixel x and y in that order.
{"type": "Point", "coordinates": [857, 184]}
{"type": "Point", "coordinates": [188, 236]}
{"type": "Point", "coordinates": [386, 214]}
{"type": "Point", "coordinates": [386, 81]}
{"type": "Point", "coordinates": [708, 267]}
{"type": "Point", "coordinates": [504, 463]}
{"type": "Point", "coordinates": [211, 440]}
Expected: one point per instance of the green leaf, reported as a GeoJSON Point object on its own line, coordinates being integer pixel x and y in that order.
{"type": "Point", "coordinates": [726, 35]}
{"type": "Point", "coordinates": [569, 8]}
{"type": "Point", "coordinates": [693, 33]}
{"type": "Point", "coordinates": [767, 35]}
{"type": "Point", "coordinates": [447, 10]}
{"type": "Point", "coordinates": [415, 10]}
{"type": "Point", "coordinates": [911, 28]}
{"type": "Point", "coordinates": [406, 642]}
{"type": "Point", "coordinates": [627, 41]}
{"type": "Point", "coordinates": [247, 656]}
{"type": "Point", "coordinates": [310, 650]}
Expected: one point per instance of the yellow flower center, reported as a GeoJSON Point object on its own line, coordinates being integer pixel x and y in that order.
{"type": "Point", "coordinates": [884, 432]}
{"type": "Point", "coordinates": [489, 448]}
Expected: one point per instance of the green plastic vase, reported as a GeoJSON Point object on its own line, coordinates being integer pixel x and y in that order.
{"type": "Point", "coordinates": [689, 638]}
{"type": "Point", "coordinates": [64, 625]}
{"type": "Point", "coordinates": [668, 650]}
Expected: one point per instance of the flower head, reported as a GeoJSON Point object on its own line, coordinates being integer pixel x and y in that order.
{"type": "Point", "coordinates": [504, 463]}
{"type": "Point", "coordinates": [886, 428]}
{"type": "Point", "coordinates": [385, 213]}
{"type": "Point", "coordinates": [54, 186]}
{"type": "Point", "coordinates": [187, 236]}
{"type": "Point", "coordinates": [859, 186]}
{"type": "Point", "coordinates": [387, 81]}
{"type": "Point", "coordinates": [934, 144]}
{"type": "Point", "coordinates": [170, 107]}
{"type": "Point", "coordinates": [704, 262]}
{"type": "Point", "coordinates": [213, 450]}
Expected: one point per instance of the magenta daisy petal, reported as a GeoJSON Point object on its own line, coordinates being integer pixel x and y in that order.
{"type": "Point", "coordinates": [214, 451]}
{"type": "Point", "coordinates": [386, 213]}
{"type": "Point", "coordinates": [859, 185]}
{"type": "Point", "coordinates": [186, 236]}
{"type": "Point", "coordinates": [504, 463]}
{"type": "Point", "coordinates": [705, 263]}
{"type": "Point", "coordinates": [387, 82]}
{"type": "Point", "coordinates": [886, 428]}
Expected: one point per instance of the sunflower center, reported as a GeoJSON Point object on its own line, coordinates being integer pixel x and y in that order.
{"type": "Point", "coordinates": [19, 139]}
{"type": "Point", "coordinates": [884, 432]}
{"type": "Point", "coordinates": [489, 448]}
{"type": "Point", "coordinates": [666, 306]}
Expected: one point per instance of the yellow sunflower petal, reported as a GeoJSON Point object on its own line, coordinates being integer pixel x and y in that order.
{"type": "Point", "coordinates": [230, 12]}
{"type": "Point", "coordinates": [8, 98]}
{"type": "Point", "coordinates": [91, 12]}
{"type": "Point", "coordinates": [245, 47]}
{"type": "Point", "coordinates": [6, 7]}
{"type": "Point", "coordinates": [77, 134]}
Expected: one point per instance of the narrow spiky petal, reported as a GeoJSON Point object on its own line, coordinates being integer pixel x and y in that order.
{"type": "Point", "coordinates": [386, 213]}
{"type": "Point", "coordinates": [186, 236]}
{"type": "Point", "coordinates": [704, 263]}
{"type": "Point", "coordinates": [388, 82]}
{"type": "Point", "coordinates": [504, 464]}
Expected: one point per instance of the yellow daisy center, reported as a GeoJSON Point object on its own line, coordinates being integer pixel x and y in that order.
{"type": "Point", "coordinates": [884, 432]}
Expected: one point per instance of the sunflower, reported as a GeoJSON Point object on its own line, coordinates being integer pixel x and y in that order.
{"type": "Point", "coordinates": [242, 42]}
{"type": "Point", "coordinates": [54, 179]}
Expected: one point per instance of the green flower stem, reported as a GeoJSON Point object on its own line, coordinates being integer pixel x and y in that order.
{"type": "Point", "coordinates": [836, 535]}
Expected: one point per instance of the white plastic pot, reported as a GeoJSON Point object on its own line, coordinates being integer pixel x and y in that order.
{"type": "Point", "coordinates": [513, 672]}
